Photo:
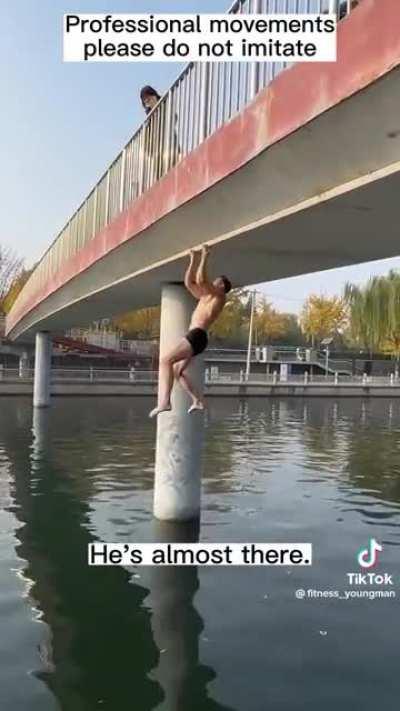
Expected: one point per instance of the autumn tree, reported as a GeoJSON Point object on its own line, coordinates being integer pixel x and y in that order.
{"type": "Point", "coordinates": [323, 317]}
{"type": "Point", "coordinates": [269, 325]}
{"type": "Point", "coordinates": [142, 323]}
{"type": "Point", "coordinates": [293, 335]}
{"type": "Point", "coordinates": [15, 287]}
{"type": "Point", "coordinates": [10, 271]}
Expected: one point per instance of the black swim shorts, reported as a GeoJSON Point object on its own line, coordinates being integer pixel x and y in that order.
{"type": "Point", "coordinates": [198, 339]}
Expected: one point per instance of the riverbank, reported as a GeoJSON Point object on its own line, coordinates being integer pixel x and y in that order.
{"type": "Point", "coordinates": [73, 388]}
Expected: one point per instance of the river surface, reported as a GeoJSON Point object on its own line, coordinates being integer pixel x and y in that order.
{"type": "Point", "coordinates": [79, 638]}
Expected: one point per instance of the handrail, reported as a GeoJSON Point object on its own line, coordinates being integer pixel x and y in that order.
{"type": "Point", "coordinates": [203, 97]}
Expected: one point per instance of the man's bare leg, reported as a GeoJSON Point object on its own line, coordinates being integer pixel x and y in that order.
{"type": "Point", "coordinates": [186, 384]}
{"type": "Point", "coordinates": [182, 351]}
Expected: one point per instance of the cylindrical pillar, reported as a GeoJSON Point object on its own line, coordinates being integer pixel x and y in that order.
{"type": "Point", "coordinates": [179, 435]}
{"type": "Point", "coordinates": [24, 365]}
{"type": "Point", "coordinates": [41, 388]}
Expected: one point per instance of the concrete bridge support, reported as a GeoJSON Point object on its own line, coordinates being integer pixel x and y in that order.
{"type": "Point", "coordinates": [41, 387]}
{"type": "Point", "coordinates": [179, 435]}
{"type": "Point", "coordinates": [24, 365]}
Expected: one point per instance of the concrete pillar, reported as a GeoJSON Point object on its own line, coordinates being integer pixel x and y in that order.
{"type": "Point", "coordinates": [179, 435]}
{"type": "Point", "coordinates": [41, 387]}
{"type": "Point", "coordinates": [24, 365]}
{"type": "Point", "coordinates": [40, 432]}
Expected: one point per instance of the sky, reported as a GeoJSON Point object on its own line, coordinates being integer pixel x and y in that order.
{"type": "Point", "coordinates": [62, 124]}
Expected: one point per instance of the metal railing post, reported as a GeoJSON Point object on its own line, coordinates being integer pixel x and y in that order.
{"type": "Point", "coordinates": [168, 142]}
{"type": "Point", "coordinates": [81, 240]}
{"type": "Point", "coordinates": [94, 226]}
{"type": "Point", "coordinates": [255, 68]}
{"type": "Point", "coordinates": [142, 159]}
{"type": "Point", "coordinates": [107, 200]}
{"type": "Point", "coordinates": [204, 101]}
{"type": "Point", "coordinates": [334, 7]}
{"type": "Point", "coordinates": [122, 186]}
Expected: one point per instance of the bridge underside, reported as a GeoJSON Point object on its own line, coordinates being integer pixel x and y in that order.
{"type": "Point", "coordinates": [327, 195]}
{"type": "Point", "coordinates": [360, 225]}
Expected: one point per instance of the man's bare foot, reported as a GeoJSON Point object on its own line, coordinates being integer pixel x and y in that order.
{"type": "Point", "coordinates": [158, 409]}
{"type": "Point", "coordinates": [198, 405]}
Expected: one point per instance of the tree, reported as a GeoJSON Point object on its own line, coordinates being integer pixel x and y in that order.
{"type": "Point", "coordinates": [391, 339]}
{"type": "Point", "coordinates": [375, 313]}
{"type": "Point", "coordinates": [323, 317]}
{"type": "Point", "coordinates": [142, 323]}
{"type": "Point", "coordinates": [269, 324]}
{"type": "Point", "coordinates": [10, 270]}
{"type": "Point", "coordinates": [293, 335]}
{"type": "Point", "coordinates": [15, 287]}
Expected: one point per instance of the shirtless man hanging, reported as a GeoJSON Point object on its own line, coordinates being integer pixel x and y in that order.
{"type": "Point", "coordinates": [212, 298]}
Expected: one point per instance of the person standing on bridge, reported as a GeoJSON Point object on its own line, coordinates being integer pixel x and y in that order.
{"type": "Point", "coordinates": [161, 151]}
{"type": "Point", "coordinates": [149, 98]}
{"type": "Point", "coordinates": [211, 297]}
{"type": "Point", "coordinates": [152, 137]}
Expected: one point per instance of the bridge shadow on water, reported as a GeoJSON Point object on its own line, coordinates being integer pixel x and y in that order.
{"type": "Point", "coordinates": [112, 643]}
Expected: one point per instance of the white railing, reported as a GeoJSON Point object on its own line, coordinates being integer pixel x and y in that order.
{"type": "Point", "coordinates": [137, 377]}
{"type": "Point", "coordinates": [305, 379]}
{"type": "Point", "coordinates": [204, 97]}
{"type": "Point", "coordinates": [105, 375]}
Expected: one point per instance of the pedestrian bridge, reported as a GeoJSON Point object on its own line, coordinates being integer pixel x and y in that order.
{"type": "Point", "coordinates": [282, 172]}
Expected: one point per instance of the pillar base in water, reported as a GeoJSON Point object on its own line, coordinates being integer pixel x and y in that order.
{"type": "Point", "coordinates": [41, 387]}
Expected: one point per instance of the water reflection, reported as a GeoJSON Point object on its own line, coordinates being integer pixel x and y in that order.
{"type": "Point", "coordinates": [93, 614]}
{"type": "Point", "coordinates": [177, 627]}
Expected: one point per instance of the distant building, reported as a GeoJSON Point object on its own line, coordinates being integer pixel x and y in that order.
{"type": "Point", "coordinates": [105, 337]}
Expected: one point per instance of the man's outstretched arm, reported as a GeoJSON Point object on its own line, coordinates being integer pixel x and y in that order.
{"type": "Point", "coordinates": [190, 276]}
{"type": "Point", "coordinates": [202, 279]}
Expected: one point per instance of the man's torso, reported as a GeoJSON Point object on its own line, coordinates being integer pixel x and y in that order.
{"type": "Point", "coordinates": [207, 311]}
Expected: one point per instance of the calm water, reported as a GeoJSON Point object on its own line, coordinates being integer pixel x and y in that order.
{"type": "Point", "coordinates": [75, 638]}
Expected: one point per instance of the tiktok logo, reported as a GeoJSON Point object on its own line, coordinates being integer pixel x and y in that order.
{"type": "Point", "coordinates": [368, 557]}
